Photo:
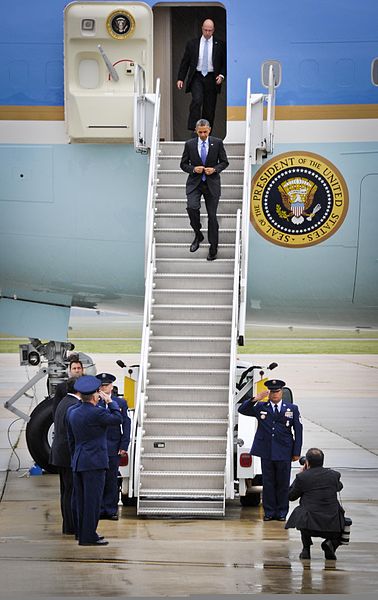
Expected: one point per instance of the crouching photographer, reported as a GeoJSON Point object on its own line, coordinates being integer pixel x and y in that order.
{"type": "Point", "coordinates": [319, 513]}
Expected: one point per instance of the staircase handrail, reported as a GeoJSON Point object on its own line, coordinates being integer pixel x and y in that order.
{"type": "Point", "coordinates": [233, 354]}
{"type": "Point", "coordinates": [149, 272]}
{"type": "Point", "coordinates": [245, 217]}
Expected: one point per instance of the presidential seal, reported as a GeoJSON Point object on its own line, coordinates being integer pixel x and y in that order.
{"type": "Point", "coordinates": [120, 24]}
{"type": "Point", "coordinates": [298, 199]}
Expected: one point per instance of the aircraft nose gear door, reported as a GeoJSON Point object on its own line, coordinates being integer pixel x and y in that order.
{"type": "Point", "coordinates": [104, 44]}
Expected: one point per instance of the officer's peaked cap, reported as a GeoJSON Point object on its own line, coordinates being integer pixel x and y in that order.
{"type": "Point", "coordinates": [274, 384]}
{"type": "Point", "coordinates": [87, 384]}
{"type": "Point", "coordinates": [105, 378]}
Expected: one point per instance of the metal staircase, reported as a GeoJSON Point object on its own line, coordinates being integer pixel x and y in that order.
{"type": "Point", "coordinates": [194, 316]}
{"type": "Point", "coordinates": [186, 410]}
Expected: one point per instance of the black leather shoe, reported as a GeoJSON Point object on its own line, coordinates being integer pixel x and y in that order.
{"type": "Point", "coordinates": [329, 552]}
{"type": "Point", "coordinates": [267, 518]}
{"type": "Point", "coordinates": [212, 255]}
{"type": "Point", "coordinates": [305, 554]}
{"type": "Point", "coordinates": [96, 543]}
{"type": "Point", "coordinates": [281, 519]}
{"type": "Point", "coordinates": [109, 517]}
{"type": "Point", "coordinates": [196, 242]}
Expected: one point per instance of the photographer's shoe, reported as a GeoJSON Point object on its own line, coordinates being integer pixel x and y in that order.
{"type": "Point", "coordinates": [329, 552]}
{"type": "Point", "coordinates": [305, 554]}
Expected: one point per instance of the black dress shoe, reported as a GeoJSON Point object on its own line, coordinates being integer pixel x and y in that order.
{"type": "Point", "coordinates": [280, 518]}
{"type": "Point", "coordinates": [305, 554]}
{"type": "Point", "coordinates": [196, 242]}
{"type": "Point", "coordinates": [267, 518]}
{"type": "Point", "coordinates": [329, 552]}
{"type": "Point", "coordinates": [109, 517]}
{"type": "Point", "coordinates": [211, 255]}
{"type": "Point", "coordinates": [96, 543]}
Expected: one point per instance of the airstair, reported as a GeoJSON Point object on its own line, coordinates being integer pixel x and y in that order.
{"type": "Point", "coordinates": [194, 317]}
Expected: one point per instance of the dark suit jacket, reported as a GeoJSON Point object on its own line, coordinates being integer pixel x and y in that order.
{"type": "Point", "coordinates": [319, 508]}
{"type": "Point", "coordinates": [60, 393]}
{"type": "Point", "coordinates": [87, 427]}
{"type": "Point", "coordinates": [283, 445]}
{"type": "Point", "coordinates": [60, 455]}
{"type": "Point", "coordinates": [216, 157]}
{"type": "Point", "coordinates": [190, 60]}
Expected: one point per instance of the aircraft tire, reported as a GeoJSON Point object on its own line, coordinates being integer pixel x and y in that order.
{"type": "Point", "coordinates": [37, 435]}
{"type": "Point", "coordinates": [250, 499]}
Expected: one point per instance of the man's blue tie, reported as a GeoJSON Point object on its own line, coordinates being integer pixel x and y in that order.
{"type": "Point", "coordinates": [203, 158]}
{"type": "Point", "coordinates": [205, 59]}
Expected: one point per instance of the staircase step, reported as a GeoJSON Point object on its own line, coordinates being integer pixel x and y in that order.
{"type": "Point", "coordinates": [183, 376]}
{"type": "Point", "coordinates": [180, 480]}
{"type": "Point", "coordinates": [217, 312]}
{"type": "Point", "coordinates": [181, 221]}
{"type": "Point", "coordinates": [184, 511]}
{"type": "Point", "coordinates": [184, 493]}
{"type": "Point", "coordinates": [185, 445]}
{"type": "Point", "coordinates": [175, 176]}
{"type": "Point", "coordinates": [185, 235]}
{"type": "Point", "coordinates": [198, 410]}
{"type": "Point", "coordinates": [178, 205]}
{"type": "Point", "coordinates": [183, 328]}
{"type": "Point", "coordinates": [195, 265]}
{"type": "Point", "coordinates": [167, 427]}
{"type": "Point", "coordinates": [175, 360]}
{"type": "Point", "coordinates": [174, 250]}
{"type": "Point", "coordinates": [192, 281]}
{"type": "Point", "coordinates": [183, 343]}
{"type": "Point", "coordinates": [179, 463]}
{"type": "Point", "coordinates": [192, 296]}
{"type": "Point", "coordinates": [174, 190]}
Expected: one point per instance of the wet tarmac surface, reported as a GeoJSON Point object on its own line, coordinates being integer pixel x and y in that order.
{"type": "Point", "coordinates": [238, 555]}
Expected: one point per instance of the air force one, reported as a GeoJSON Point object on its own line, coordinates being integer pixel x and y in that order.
{"type": "Point", "coordinates": [73, 198]}
{"type": "Point", "coordinates": [93, 215]}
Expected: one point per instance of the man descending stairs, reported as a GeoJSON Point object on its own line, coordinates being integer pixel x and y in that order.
{"type": "Point", "coordinates": [184, 443]}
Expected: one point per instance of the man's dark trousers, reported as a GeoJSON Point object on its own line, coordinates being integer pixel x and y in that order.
{"type": "Point", "coordinates": [193, 209]}
{"type": "Point", "coordinates": [204, 99]}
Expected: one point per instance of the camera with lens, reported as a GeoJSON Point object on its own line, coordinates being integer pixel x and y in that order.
{"type": "Point", "coordinates": [302, 460]}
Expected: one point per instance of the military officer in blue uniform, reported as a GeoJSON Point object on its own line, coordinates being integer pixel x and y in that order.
{"type": "Point", "coordinates": [118, 438]}
{"type": "Point", "coordinates": [87, 427]}
{"type": "Point", "coordinates": [278, 442]}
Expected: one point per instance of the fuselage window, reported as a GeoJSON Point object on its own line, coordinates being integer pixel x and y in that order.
{"type": "Point", "coordinates": [277, 72]}
{"type": "Point", "coordinates": [374, 71]}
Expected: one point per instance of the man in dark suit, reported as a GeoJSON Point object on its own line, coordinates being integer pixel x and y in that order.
{"type": "Point", "coordinates": [204, 158]}
{"type": "Point", "coordinates": [118, 439]}
{"type": "Point", "coordinates": [278, 442]}
{"type": "Point", "coordinates": [319, 513]}
{"type": "Point", "coordinates": [87, 425]}
{"type": "Point", "coordinates": [204, 64]}
{"type": "Point", "coordinates": [60, 457]}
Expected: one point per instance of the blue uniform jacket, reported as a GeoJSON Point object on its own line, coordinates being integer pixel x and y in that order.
{"type": "Point", "coordinates": [118, 438]}
{"type": "Point", "coordinates": [276, 438]}
{"type": "Point", "coordinates": [87, 426]}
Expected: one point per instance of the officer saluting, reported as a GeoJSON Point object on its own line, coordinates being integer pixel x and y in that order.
{"type": "Point", "coordinates": [87, 425]}
{"type": "Point", "coordinates": [118, 439]}
{"type": "Point", "coordinates": [278, 442]}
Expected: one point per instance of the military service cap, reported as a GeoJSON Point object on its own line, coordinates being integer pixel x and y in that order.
{"type": "Point", "coordinates": [105, 378]}
{"type": "Point", "coordinates": [274, 384]}
{"type": "Point", "coordinates": [87, 384]}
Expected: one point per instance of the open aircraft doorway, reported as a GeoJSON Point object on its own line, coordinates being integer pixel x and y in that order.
{"type": "Point", "coordinates": [174, 26]}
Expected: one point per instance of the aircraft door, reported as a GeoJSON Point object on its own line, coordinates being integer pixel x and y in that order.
{"type": "Point", "coordinates": [366, 287]}
{"type": "Point", "coordinates": [108, 52]}
{"type": "Point", "coordinates": [174, 26]}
